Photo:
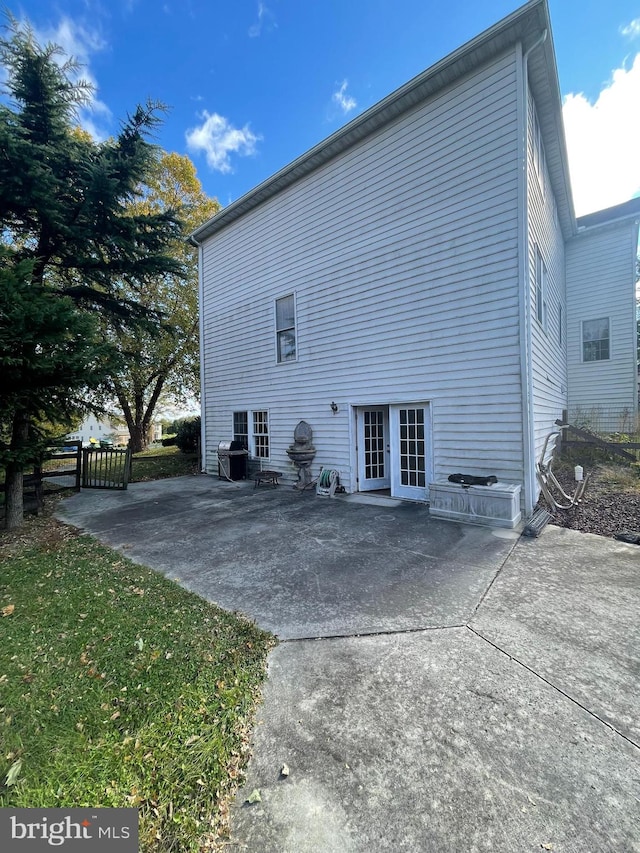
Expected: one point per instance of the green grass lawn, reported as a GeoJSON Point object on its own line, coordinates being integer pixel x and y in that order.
{"type": "Point", "coordinates": [168, 462]}
{"type": "Point", "coordinates": [119, 688]}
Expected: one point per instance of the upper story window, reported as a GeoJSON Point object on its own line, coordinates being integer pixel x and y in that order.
{"type": "Point", "coordinates": [541, 287]}
{"type": "Point", "coordinates": [286, 328]}
{"type": "Point", "coordinates": [596, 339]}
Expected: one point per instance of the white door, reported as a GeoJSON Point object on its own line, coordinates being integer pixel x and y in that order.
{"type": "Point", "coordinates": [373, 448]}
{"type": "Point", "coordinates": [410, 468]}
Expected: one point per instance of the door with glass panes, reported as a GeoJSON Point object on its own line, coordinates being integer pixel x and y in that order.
{"type": "Point", "coordinates": [410, 441]}
{"type": "Point", "coordinates": [373, 448]}
{"type": "Point", "coordinates": [393, 449]}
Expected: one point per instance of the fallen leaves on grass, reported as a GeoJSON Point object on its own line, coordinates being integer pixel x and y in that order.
{"type": "Point", "coordinates": [108, 716]}
{"type": "Point", "coordinates": [14, 773]}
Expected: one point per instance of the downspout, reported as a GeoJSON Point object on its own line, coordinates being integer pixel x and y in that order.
{"type": "Point", "coordinates": [526, 339]}
{"type": "Point", "coordinates": [203, 399]}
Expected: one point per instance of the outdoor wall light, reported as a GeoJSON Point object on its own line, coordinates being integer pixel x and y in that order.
{"type": "Point", "coordinates": [334, 407]}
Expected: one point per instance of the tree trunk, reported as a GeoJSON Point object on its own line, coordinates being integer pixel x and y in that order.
{"type": "Point", "coordinates": [14, 503]}
{"type": "Point", "coordinates": [138, 439]}
{"type": "Point", "coordinates": [137, 417]}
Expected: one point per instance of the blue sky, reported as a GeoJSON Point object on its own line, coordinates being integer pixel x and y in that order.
{"type": "Point", "coordinates": [252, 84]}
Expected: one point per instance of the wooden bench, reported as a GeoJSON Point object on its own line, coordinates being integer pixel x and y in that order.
{"type": "Point", "coordinates": [266, 477]}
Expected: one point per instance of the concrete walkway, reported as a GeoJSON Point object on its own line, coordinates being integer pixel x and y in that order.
{"type": "Point", "coordinates": [469, 692]}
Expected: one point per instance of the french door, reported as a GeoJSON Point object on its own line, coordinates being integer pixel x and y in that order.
{"type": "Point", "coordinates": [409, 430]}
{"type": "Point", "coordinates": [373, 448]}
{"type": "Point", "coordinates": [393, 449]}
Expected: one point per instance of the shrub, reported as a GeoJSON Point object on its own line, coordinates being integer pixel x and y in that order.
{"type": "Point", "coordinates": [169, 441]}
{"type": "Point", "coordinates": [188, 435]}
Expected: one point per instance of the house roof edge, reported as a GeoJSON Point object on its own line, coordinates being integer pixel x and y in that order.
{"type": "Point", "coordinates": [628, 210]}
{"type": "Point", "coordinates": [522, 25]}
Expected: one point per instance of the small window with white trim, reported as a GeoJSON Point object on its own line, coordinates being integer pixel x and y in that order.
{"type": "Point", "coordinates": [596, 339]}
{"type": "Point", "coordinates": [260, 434]}
{"type": "Point", "coordinates": [286, 328]}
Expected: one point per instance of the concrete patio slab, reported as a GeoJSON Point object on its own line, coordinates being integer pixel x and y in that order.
{"type": "Point", "coordinates": [493, 705]}
{"type": "Point", "coordinates": [299, 565]}
{"type": "Point", "coordinates": [433, 742]}
{"type": "Point", "coordinates": [568, 606]}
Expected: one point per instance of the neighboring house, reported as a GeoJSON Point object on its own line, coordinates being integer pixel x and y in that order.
{"type": "Point", "coordinates": [601, 303]}
{"type": "Point", "coordinates": [112, 428]}
{"type": "Point", "coordinates": [95, 428]}
{"type": "Point", "coordinates": [121, 431]}
{"type": "Point", "coordinates": [416, 287]}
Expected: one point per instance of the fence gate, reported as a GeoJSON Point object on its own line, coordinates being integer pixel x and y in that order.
{"type": "Point", "coordinates": [105, 468]}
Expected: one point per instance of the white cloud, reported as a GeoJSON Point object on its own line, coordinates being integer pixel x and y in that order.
{"type": "Point", "coordinates": [266, 18]}
{"type": "Point", "coordinates": [344, 101]}
{"type": "Point", "coordinates": [602, 142]}
{"type": "Point", "coordinates": [218, 139]}
{"type": "Point", "coordinates": [80, 43]}
{"type": "Point", "coordinates": [632, 29]}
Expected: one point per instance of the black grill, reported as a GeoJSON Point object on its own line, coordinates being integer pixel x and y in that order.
{"type": "Point", "coordinates": [232, 460]}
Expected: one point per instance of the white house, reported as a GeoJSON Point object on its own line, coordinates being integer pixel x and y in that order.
{"type": "Point", "coordinates": [416, 286]}
{"type": "Point", "coordinates": [601, 303]}
{"type": "Point", "coordinates": [94, 427]}
{"type": "Point", "coordinates": [108, 428]}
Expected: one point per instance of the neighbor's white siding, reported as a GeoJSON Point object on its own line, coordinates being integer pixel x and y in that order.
{"type": "Point", "coordinates": [402, 254]}
{"type": "Point", "coordinates": [601, 283]}
{"type": "Point", "coordinates": [548, 339]}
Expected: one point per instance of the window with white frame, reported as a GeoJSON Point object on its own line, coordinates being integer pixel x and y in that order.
{"type": "Point", "coordinates": [286, 328]}
{"type": "Point", "coordinates": [596, 339]}
{"type": "Point", "coordinates": [541, 286]}
{"type": "Point", "coordinates": [241, 428]}
{"type": "Point", "coordinates": [260, 434]}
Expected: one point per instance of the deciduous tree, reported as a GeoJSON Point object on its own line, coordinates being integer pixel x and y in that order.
{"type": "Point", "coordinates": [163, 363]}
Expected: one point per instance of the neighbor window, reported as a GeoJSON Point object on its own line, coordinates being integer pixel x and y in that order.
{"type": "Point", "coordinates": [541, 296]}
{"type": "Point", "coordinates": [286, 328]}
{"type": "Point", "coordinates": [241, 428]}
{"type": "Point", "coordinates": [595, 339]}
{"type": "Point", "coordinates": [261, 435]}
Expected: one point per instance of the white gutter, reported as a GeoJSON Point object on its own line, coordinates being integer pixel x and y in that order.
{"type": "Point", "coordinates": [526, 339]}
{"type": "Point", "coordinates": [203, 399]}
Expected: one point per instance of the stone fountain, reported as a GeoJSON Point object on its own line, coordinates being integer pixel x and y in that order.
{"type": "Point", "coordinates": [302, 453]}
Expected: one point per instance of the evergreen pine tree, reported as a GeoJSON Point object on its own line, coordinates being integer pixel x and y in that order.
{"type": "Point", "coordinates": [70, 233]}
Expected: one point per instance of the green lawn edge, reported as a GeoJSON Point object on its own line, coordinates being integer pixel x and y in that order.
{"type": "Point", "coordinates": [120, 688]}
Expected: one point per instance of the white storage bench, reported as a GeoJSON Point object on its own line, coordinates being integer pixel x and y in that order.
{"type": "Point", "coordinates": [497, 505]}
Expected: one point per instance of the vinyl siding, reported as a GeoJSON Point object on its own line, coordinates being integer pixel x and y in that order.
{"type": "Point", "coordinates": [600, 283]}
{"type": "Point", "coordinates": [548, 355]}
{"type": "Point", "coordinates": [402, 254]}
